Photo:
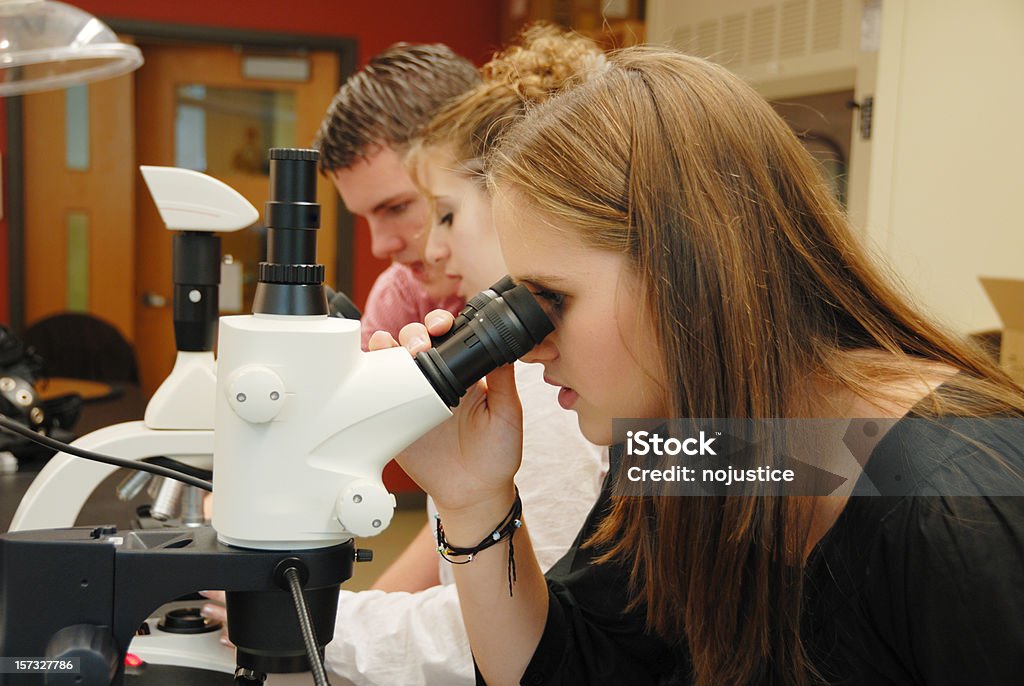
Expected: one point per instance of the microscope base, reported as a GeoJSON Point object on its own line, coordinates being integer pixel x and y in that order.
{"type": "Point", "coordinates": [199, 659]}
{"type": "Point", "coordinates": [93, 587]}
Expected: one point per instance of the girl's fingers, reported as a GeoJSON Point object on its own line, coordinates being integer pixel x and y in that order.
{"type": "Point", "coordinates": [414, 338]}
{"type": "Point", "coordinates": [380, 340]}
{"type": "Point", "coordinates": [438, 322]}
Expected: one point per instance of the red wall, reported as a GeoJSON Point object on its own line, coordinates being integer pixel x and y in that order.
{"type": "Point", "coordinates": [470, 28]}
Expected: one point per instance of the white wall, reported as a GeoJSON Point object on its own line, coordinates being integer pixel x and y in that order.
{"type": "Point", "coordinates": [940, 186]}
{"type": "Point", "coordinates": [783, 47]}
{"type": "Point", "coordinates": [946, 180]}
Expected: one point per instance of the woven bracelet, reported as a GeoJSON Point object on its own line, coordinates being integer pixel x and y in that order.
{"type": "Point", "coordinates": [505, 530]}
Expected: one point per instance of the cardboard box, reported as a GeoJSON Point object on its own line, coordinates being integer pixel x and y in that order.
{"type": "Point", "coordinates": [1007, 296]}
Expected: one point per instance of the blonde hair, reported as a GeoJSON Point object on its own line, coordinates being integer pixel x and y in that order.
{"type": "Point", "coordinates": [543, 61]}
{"type": "Point", "coordinates": [753, 280]}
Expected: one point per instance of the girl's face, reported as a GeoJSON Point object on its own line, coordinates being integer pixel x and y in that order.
{"type": "Point", "coordinates": [462, 236]}
{"type": "Point", "coordinates": [603, 353]}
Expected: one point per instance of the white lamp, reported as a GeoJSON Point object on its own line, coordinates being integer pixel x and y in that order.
{"type": "Point", "coordinates": [46, 45]}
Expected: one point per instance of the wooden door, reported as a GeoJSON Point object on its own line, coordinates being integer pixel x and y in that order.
{"type": "Point", "coordinates": [195, 108]}
{"type": "Point", "coordinates": [79, 164]}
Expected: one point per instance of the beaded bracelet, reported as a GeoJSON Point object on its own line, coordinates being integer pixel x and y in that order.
{"type": "Point", "coordinates": [512, 521]}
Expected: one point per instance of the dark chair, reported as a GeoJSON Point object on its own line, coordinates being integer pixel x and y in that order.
{"type": "Point", "coordinates": [83, 346]}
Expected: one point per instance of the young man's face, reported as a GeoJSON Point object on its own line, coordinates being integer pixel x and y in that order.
{"type": "Point", "coordinates": [378, 188]}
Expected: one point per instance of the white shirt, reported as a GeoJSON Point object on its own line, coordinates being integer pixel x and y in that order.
{"type": "Point", "coordinates": [418, 639]}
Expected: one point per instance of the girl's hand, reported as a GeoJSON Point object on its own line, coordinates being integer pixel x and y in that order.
{"type": "Point", "coordinates": [472, 458]}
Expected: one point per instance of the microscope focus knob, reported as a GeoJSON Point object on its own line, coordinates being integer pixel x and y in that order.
{"type": "Point", "coordinates": [364, 507]}
{"type": "Point", "coordinates": [94, 648]}
{"type": "Point", "coordinates": [255, 393]}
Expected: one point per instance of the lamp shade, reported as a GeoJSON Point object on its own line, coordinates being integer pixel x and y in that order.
{"type": "Point", "coordinates": [45, 45]}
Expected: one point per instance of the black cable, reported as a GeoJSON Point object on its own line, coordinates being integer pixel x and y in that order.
{"type": "Point", "coordinates": [306, 626]}
{"type": "Point", "coordinates": [187, 469]}
{"type": "Point", "coordinates": [14, 427]}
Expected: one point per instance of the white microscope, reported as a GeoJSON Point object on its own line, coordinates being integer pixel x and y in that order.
{"type": "Point", "coordinates": [304, 424]}
{"type": "Point", "coordinates": [179, 417]}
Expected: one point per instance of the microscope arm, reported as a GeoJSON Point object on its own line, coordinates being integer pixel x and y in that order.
{"type": "Point", "coordinates": [62, 487]}
{"type": "Point", "coordinates": [185, 399]}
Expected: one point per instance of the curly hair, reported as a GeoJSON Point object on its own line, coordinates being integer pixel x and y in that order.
{"type": "Point", "coordinates": [543, 61]}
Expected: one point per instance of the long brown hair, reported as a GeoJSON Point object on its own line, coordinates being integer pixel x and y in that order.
{"type": "Point", "coordinates": [754, 281]}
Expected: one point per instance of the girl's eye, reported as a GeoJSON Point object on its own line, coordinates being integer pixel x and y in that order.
{"type": "Point", "coordinates": [399, 208]}
{"type": "Point", "coordinates": [555, 300]}
{"type": "Point", "coordinates": [446, 220]}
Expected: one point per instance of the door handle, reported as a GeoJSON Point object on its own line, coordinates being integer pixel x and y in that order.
{"type": "Point", "coordinates": [151, 299]}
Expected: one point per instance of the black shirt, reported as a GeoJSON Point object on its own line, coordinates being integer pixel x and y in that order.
{"type": "Point", "coordinates": [920, 587]}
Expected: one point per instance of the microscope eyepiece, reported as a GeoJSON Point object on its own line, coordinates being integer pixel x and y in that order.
{"type": "Point", "coordinates": [496, 327]}
{"type": "Point", "coordinates": [474, 305]}
{"type": "Point", "coordinates": [291, 281]}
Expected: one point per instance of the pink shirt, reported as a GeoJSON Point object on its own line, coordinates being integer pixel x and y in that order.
{"type": "Point", "coordinates": [397, 299]}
